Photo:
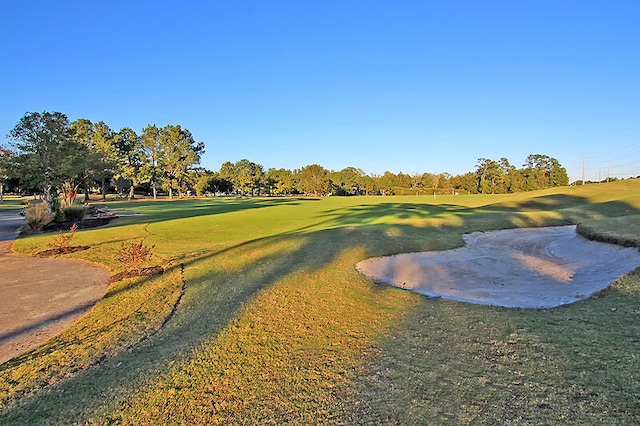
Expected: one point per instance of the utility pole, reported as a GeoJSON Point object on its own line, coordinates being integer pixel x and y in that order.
{"type": "Point", "coordinates": [584, 164]}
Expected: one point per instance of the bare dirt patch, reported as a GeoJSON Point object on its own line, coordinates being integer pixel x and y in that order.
{"type": "Point", "coordinates": [528, 268]}
{"type": "Point", "coordinates": [153, 270]}
{"type": "Point", "coordinates": [62, 250]}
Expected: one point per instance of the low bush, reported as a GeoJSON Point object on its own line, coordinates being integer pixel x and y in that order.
{"type": "Point", "coordinates": [133, 254]}
{"type": "Point", "coordinates": [56, 210]}
{"type": "Point", "coordinates": [62, 241]}
{"type": "Point", "coordinates": [36, 218]}
{"type": "Point", "coordinates": [74, 213]}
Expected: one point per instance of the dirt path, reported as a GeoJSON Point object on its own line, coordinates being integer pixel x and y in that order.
{"type": "Point", "coordinates": [529, 268]}
{"type": "Point", "coordinates": [40, 297]}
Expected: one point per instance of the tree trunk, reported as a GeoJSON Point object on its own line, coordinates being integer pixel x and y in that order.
{"type": "Point", "coordinates": [47, 197]}
{"type": "Point", "coordinates": [104, 189]}
{"type": "Point", "coordinates": [87, 197]}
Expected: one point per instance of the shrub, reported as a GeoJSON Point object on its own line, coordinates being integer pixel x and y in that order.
{"type": "Point", "coordinates": [63, 241]}
{"type": "Point", "coordinates": [74, 213]}
{"type": "Point", "coordinates": [37, 217]}
{"type": "Point", "coordinates": [133, 254]}
{"type": "Point", "coordinates": [56, 209]}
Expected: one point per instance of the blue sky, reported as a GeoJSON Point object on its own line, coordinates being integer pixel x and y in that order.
{"type": "Point", "coordinates": [411, 86]}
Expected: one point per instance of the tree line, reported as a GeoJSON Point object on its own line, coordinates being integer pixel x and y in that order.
{"type": "Point", "coordinates": [490, 177]}
{"type": "Point", "coordinates": [55, 156]}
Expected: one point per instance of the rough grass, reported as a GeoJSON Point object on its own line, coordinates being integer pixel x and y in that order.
{"type": "Point", "coordinates": [276, 327]}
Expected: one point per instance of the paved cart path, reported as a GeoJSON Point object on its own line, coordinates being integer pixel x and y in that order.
{"type": "Point", "coordinates": [40, 297]}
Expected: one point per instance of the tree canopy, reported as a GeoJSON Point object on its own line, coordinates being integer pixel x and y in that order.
{"type": "Point", "coordinates": [179, 153]}
{"type": "Point", "coordinates": [314, 180]}
{"type": "Point", "coordinates": [52, 153]}
{"type": "Point", "coordinates": [48, 155]}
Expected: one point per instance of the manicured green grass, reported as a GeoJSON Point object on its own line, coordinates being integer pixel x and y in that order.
{"type": "Point", "coordinates": [276, 326]}
{"type": "Point", "coordinates": [11, 202]}
{"type": "Point", "coordinates": [624, 230]}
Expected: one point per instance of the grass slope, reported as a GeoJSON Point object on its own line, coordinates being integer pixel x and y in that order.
{"type": "Point", "coordinates": [275, 325]}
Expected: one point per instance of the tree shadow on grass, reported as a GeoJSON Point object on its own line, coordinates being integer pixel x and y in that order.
{"type": "Point", "coordinates": [453, 363]}
{"type": "Point", "coordinates": [215, 294]}
{"type": "Point", "coordinates": [209, 304]}
{"type": "Point", "coordinates": [165, 210]}
{"type": "Point", "coordinates": [568, 209]}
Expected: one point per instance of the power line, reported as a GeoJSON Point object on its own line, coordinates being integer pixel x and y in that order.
{"type": "Point", "coordinates": [619, 163]}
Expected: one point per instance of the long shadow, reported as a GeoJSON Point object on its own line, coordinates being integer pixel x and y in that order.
{"type": "Point", "coordinates": [11, 334]}
{"type": "Point", "coordinates": [186, 331]}
{"type": "Point", "coordinates": [557, 202]}
{"type": "Point", "coordinates": [569, 209]}
{"type": "Point", "coordinates": [577, 363]}
{"type": "Point", "coordinates": [164, 210]}
{"type": "Point", "coordinates": [196, 323]}
{"type": "Point", "coordinates": [209, 306]}
{"type": "Point", "coordinates": [545, 202]}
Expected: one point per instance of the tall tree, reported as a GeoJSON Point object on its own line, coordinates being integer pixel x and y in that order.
{"type": "Point", "coordinates": [104, 143]}
{"type": "Point", "coordinates": [228, 172]}
{"type": "Point", "coordinates": [6, 158]}
{"type": "Point", "coordinates": [246, 176]}
{"type": "Point", "coordinates": [152, 149]}
{"type": "Point", "coordinates": [179, 154]}
{"type": "Point", "coordinates": [280, 181]}
{"type": "Point", "coordinates": [314, 179]}
{"type": "Point", "coordinates": [250, 176]}
{"type": "Point", "coordinates": [490, 176]}
{"type": "Point", "coordinates": [467, 182]}
{"type": "Point", "coordinates": [130, 156]}
{"type": "Point", "coordinates": [366, 185]}
{"type": "Point", "coordinates": [101, 154]}
{"type": "Point", "coordinates": [211, 183]}
{"type": "Point", "coordinates": [347, 181]}
{"type": "Point", "coordinates": [47, 153]}
{"type": "Point", "coordinates": [386, 183]}
{"type": "Point", "coordinates": [542, 171]}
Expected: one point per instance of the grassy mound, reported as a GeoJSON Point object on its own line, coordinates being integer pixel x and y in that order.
{"type": "Point", "coordinates": [624, 231]}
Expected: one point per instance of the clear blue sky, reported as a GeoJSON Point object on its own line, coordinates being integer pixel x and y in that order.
{"type": "Point", "coordinates": [411, 86]}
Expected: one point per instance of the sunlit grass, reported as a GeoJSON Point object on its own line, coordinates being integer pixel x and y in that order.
{"type": "Point", "coordinates": [275, 325]}
{"type": "Point", "coordinates": [11, 202]}
{"type": "Point", "coordinates": [623, 230]}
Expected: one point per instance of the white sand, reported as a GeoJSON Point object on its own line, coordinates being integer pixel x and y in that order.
{"type": "Point", "coordinates": [528, 268]}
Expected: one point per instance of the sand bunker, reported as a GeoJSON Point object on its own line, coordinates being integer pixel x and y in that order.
{"type": "Point", "coordinates": [527, 268]}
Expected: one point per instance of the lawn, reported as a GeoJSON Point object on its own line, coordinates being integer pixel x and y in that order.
{"type": "Point", "coordinates": [261, 318]}
{"type": "Point", "coordinates": [11, 202]}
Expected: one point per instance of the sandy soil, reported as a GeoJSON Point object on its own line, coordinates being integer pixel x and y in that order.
{"type": "Point", "coordinates": [40, 297]}
{"type": "Point", "coordinates": [528, 268]}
